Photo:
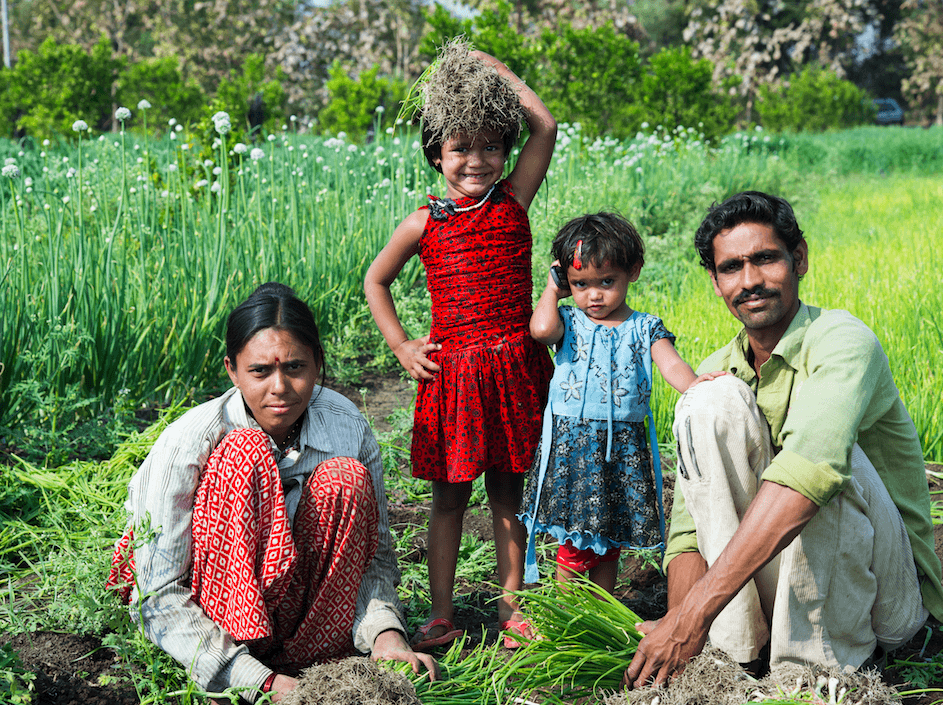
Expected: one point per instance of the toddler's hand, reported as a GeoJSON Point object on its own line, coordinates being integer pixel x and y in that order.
{"type": "Point", "coordinates": [558, 283]}
{"type": "Point", "coordinates": [412, 356]}
{"type": "Point", "coordinates": [707, 376]}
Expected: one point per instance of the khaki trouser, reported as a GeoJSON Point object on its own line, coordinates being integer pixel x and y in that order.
{"type": "Point", "coordinates": [845, 584]}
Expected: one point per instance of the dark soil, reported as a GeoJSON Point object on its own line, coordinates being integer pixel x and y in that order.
{"type": "Point", "coordinates": [69, 667]}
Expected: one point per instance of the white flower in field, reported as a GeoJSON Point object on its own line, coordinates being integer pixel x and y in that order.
{"type": "Point", "coordinates": [171, 167]}
{"type": "Point", "coordinates": [271, 138]}
{"type": "Point", "coordinates": [122, 114]}
{"type": "Point", "coordinates": [257, 154]}
{"type": "Point", "coordinates": [165, 193]}
{"type": "Point", "coordinates": [173, 136]}
{"type": "Point", "coordinates": [217, 170]}
{"type": "Point", "coordinates": [342, 135]}
{"type": "Point", "coordinates": [222, 123]}
{"type": "Point", "coordinates": [70, 174]}
{"type": "Point", "coordinates": [10, 160]}
{"type": "Point", "coordinates": [178, 128]}
{"type": "Point", "coordinates": [79, 126]}
{"type": "Point", "coordinates": [28, 181]}
{"type": "Point", "coordinates": [415, 145]}
{"type": "Point", "coordinates": [132, 190]}
{"type": "Point", "coordinates": [293, 118]}
{"type": "Point", "coordinates": [65, 199]}
{"type": "Point", "coordinates": [143, 104]}
{"type": "Point", "coordinates": [11, 171]}
{"type": "Point", "coordinates": [185, 146]}
{"type": "Point", "coordinates": [172, 122]}
{"type": "Point", "coordinates": [240, 148]}
{"type": "Point", "coordinates": [201, 183]}
{"type": "Point", "coordinates": [45, 143]}
{"type": "Point", "coordinates": [217, 143]}
{"type": "Point", "coordinates": [216, 187]}
{"type": "Point", "coordinates": [207, 163]}
{"type": "Point", "coordinates": [379, 109]}
{"type": "Point", "coordinates": [351, 148]}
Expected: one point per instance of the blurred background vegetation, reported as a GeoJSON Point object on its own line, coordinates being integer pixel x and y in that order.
{"type": "Point", "coordinates": [610, 65]}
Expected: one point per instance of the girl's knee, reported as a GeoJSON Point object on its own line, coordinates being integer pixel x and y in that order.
{"type": "Point", "coordinates": [450, 497]}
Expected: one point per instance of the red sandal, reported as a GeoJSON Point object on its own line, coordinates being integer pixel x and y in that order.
{"type": "Point", "coordinates": [517, 628]}
{"type": "Point", "coordinates": [424, 642]}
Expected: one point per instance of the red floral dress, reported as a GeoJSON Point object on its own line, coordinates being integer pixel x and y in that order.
{"type": "Point", "coordinates": [483, 408]}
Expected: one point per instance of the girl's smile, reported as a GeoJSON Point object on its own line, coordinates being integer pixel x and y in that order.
{"type": "Point", "coordinates": [472, 165]}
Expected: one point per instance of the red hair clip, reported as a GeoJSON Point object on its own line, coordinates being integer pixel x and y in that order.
{"type": "Point", "coordinates": [578, 255]}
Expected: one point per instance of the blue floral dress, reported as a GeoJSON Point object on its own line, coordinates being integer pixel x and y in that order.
{"type": "Point", "coordinates": [594, 480]}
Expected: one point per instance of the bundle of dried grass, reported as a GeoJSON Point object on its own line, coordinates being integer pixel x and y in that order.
{"type": "Point", "coordinates": [353, 681]}
{"type": "Point", "coordinates": [712, 678]}
{"type": "Point", "coordinates": [461, 94]}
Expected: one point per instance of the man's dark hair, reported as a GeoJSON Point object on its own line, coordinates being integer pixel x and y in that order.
{"type": "Point", "coordinates": [747, 207]}
{"type": "Point", "coordinates": [607, 239]}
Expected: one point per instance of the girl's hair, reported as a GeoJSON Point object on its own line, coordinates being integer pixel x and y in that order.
{"type": "Point", "coordinates": [607, 238]}
{"type": "Point", "coordinates": [463, 95]}
{"type": "Point", "coordinates": [272, 305]}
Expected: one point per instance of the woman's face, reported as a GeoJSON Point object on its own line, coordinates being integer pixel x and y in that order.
{"type": "Point", "coordinates": [276, 374]}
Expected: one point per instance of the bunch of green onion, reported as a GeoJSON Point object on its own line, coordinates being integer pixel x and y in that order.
{"type": "Point", "coordinates": [585, 639]}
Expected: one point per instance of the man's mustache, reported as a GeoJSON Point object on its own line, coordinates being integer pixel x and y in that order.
{"type": "Point", "coordinates": [756, 292]}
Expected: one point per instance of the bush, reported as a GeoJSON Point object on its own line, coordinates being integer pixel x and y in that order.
{"type": "Point", "coordinates": [677, 91]}
{"type": "Point", "coordinates": [49, 90]}
{"type": "Point", "coordinates": [815, 99]}
{"type": "Point", "coordinates": [353, 105]}
{"type": "Point", "coordinates": [160, 82]}
{"type": "Point", "coordinates": [590, 76]}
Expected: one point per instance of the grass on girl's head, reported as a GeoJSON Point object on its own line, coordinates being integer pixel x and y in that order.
{"type": "Point", "coordinates": [464, 95]}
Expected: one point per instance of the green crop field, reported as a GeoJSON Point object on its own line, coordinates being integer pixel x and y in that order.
{"type": "Point", "coordinates": [121, 256]}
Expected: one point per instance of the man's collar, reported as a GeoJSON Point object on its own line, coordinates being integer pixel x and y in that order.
{"type": "Point", "coordinates": [787, 347]}
{"type": "Point", "coordinates": [313, 432]}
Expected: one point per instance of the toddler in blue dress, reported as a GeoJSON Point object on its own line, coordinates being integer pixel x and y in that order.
{"type": "Point", "coordinates": [595, 484]}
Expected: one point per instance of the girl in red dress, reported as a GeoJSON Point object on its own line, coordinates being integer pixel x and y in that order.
{"type": "Point", "coordinates": [482, 379]}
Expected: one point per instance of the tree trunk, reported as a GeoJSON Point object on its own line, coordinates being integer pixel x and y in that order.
{"type": "Point", "coordinates": [939, 109]}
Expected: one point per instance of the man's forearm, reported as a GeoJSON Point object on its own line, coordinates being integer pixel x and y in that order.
{"type": "Point", "coordinates": [683, 571]}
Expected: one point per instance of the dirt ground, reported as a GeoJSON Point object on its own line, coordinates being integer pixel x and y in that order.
{"type": "Point", "coordinates": [69, 667]}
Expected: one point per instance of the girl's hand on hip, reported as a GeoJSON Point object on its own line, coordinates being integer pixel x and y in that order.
{"type": "Point", "coordinates": [412, 356]}
{"type": "Point", "coordinates": [391, 645]}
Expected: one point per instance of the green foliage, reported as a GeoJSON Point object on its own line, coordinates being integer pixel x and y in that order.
{"type": "Point", "coordinates": [356, 105]}
{"type": "Point", "coordinates": [234, 95]}
{"type": "Point", "coordinates": [48, 90]}
{"type": "Point", "coordinates": [16, 684]}
{"type": "Point", "coordinates": [815, 99]}
{"type": "Point", "coordinates": [488, 32]}
{"type": "Point", "coordinates": [159, 81]}
{"type": "Point", "coordinates": [590, 76]}
{"type": "Point", "coordinates": [678, 91]}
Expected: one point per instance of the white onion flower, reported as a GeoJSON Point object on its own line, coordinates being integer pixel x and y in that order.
{"type": "Point", "coordinates": [222, 122]}
{"type": "Point", "coordinates": [240, 148]}
{"type": "Point", "coordinates": [11, 171]}
{"type": "Point", "coordinates": [201, 183]}
{"type": "Point", "coordinates": [143, 104]}
{"type": "Point", "coordinates": [79, 126]}
{"type": "Point", "coordinates": [122, 114]}
{"type": "Point", "coordinates": [257, 154]}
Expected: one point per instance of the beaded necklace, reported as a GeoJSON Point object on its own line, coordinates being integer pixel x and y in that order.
{"type": "Point", "coordinates": [441, 208]}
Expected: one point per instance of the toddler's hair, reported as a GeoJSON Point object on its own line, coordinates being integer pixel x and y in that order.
{"type": "Point", "coordinates": [464, 95]}
{"type": "Point", "coordinates": [607, 239]}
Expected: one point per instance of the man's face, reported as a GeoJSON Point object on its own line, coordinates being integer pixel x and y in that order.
{"type": "Point", "coordinates": [757, 277]}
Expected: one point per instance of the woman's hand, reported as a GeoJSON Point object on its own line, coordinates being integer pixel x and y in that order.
{"type": "Point", "coordinates": [412, 355]}
{"type": "Point", "coordinates": [391, 645]}
{"type": "Point", "coordinates": [281, 686]}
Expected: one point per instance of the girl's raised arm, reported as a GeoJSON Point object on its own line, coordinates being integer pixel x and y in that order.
{"type": "Point", "coordinates": [534, 160]}
{"type": "Point", "coordinates": [403, 245]}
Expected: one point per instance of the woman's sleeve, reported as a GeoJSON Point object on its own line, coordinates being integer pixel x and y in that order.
{"type": "Point", "coordinates": [378, 606]}
{"type": "Point", "coordinates": [161, 501]}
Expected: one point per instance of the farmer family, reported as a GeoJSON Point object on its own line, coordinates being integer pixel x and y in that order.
{"type": "Point", "coordinates": [259, 539]}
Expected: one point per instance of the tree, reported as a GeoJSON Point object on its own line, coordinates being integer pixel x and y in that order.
{"type": "Point", "coordinates": [359, 34]}
{"type": "Point", "coordinates": [763, 41]}
{"type": "Point", "coordinates": [921, 33]}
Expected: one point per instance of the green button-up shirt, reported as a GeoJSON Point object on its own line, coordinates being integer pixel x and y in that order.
{"type": "Point", "coordinates": [826, 386]}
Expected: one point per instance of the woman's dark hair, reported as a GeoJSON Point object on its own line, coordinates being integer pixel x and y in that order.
{"type": "Point", "coordinates": [272, 305]}
{"type": "Point", "coordinates": [747, 207]}
{"type": "Point", "coordinates": [607, 239]}
{"type": "Point", "coordinates": [432, 146]}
